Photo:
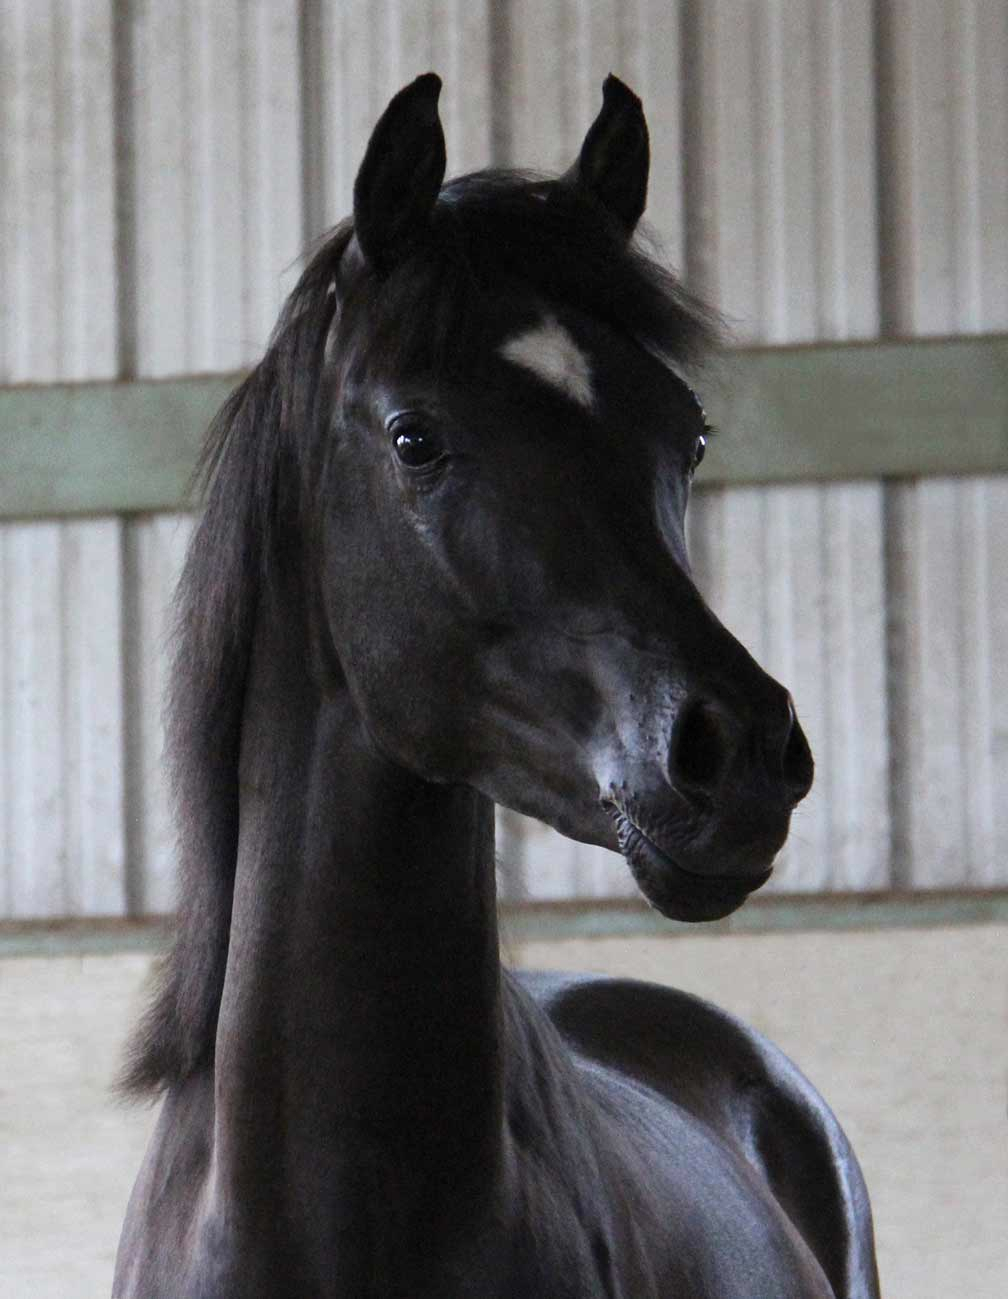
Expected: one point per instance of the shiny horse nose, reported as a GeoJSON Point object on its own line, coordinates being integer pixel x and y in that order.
{"type": "Point", "coordinates": [709, 742]}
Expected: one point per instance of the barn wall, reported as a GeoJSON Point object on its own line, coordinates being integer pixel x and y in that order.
{"type": "Point", "coordinates": [784, 237]}
{"type": "Point", "coordinates": [62, 810]}
{"type": "Point", "coordinates": [163, 165]}
{"type": "Point", "coordinates": [945, 112]}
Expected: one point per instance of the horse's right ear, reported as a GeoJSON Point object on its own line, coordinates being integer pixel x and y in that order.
{"type": "Point", "coordinates": [616, 156]}
{"type": "Point", "coordinates": [399, 179]}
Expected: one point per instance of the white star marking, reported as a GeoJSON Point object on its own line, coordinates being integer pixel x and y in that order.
{"type": "Point", "coordinates": [550, 352]}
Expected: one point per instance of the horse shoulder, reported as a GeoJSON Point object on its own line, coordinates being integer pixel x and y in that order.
{"type": "Point", "coordinates": [743, 1089]}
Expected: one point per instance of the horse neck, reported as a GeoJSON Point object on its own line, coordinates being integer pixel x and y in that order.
{"type": "Point", "coordinates": [360, 1022]}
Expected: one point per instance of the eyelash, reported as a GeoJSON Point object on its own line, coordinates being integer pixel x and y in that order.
{"type": "Point", "coordinates": [700, 448]}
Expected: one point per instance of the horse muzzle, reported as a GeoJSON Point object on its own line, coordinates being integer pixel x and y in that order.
{"type": "Point", "coordinates": [681, 891]}
{"type": "Point", "coordinates": [701, 824]}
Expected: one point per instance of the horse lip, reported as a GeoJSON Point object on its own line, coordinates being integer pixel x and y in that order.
{"type": "Point", "coordinates": [627, 826]}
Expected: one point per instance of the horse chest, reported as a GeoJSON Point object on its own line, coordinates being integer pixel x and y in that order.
{"type": "Point", "coordinates": [612, 1227]}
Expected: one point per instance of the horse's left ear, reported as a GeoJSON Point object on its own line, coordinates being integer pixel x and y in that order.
{"type": "Point", "coordinates": [616, 155]}
{"type": "Point", "coordinates": [399, 179]}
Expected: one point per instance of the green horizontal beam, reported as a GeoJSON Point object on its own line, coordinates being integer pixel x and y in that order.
{"type": "Point", "coordinates": [908, 409]}
{"type": "Point", "coordinates": [785, 414]}
{"type": "Point", "coordinates": [557, 921]}
{"type": "Point", "coordinates": [104, 448]}
{"type": "Point", "coordinates": [768, 914]}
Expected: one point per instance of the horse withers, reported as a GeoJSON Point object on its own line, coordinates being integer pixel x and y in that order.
{"type": "Point", "coordinates": [442, 566]}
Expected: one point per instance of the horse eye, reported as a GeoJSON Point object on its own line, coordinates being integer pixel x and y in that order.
{"type": "Point", "coordinates": [698, 452]}
{"type": "Point", "coordinates": [415, 444]}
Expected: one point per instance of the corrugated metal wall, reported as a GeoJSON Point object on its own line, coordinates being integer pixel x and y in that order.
{"type": "Point", "coordinates": [62, 818]}
{"type": "Point", "coordinates": [945, 140]}
{"type": "Point", "coordinates": [823, 169]}
{"type": "Point", "coordinates": [784, 235]}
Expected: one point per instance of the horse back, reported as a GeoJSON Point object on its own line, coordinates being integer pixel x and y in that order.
{"type": "Point", "coordinates": [743, 1089]}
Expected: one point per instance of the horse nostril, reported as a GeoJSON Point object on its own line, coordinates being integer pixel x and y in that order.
{"type": "Point", "coordinates": [711, 750]}
{"type": "Point", "coordinates": [796, 759]}
{"type": "Point", "coordinates": [702, 746]}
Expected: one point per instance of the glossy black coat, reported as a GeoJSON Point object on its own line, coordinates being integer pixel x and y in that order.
{"type": "Point", "coordinates": [427, 580]}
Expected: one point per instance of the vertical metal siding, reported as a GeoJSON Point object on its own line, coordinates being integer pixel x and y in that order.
{"type": "Point", "coordinates": [216, 210]}
{"type": "Point", "coordinates": [775, 159]}
{"type": "Point", "coordinates": [61, 715]}
{"type": "Point", "coordinates": [61, 719]}
{"type": "Point", "coordinates": [946, 114]}
{"type": "Point", "coordinates": [92, 707]}
{"type": "Point", "coordinates": [782, 236]}
{"type": "Point", "coordinates": [155, 550]}
{"type": "Point", "coordinates": [797, 575]}
{"type": "Point", "coordinates": [228, 132]}
{"type": "Point", "coordinates": [57, 198]}
{"type": "Point", "coordinates": [557, 54]}
{"type": "Point", "coordinates": [216, 189]}
{"type": "Point", "coordinates": [536, 863]}
{"type": "Point", "coordinates": [33, 724]}
{"type": "Point", "coordinates": [946, 138]}
{"type": "Point", "coordinates": [359, 54]}
{"type": "Point", "coordinates": [782, 176]}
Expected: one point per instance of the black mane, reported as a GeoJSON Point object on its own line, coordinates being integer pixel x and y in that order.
{"type": "Point", "coordinates": [493, 231]}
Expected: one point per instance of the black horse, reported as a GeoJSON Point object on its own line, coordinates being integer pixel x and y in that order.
{"type": "Point", "coordinates": [442, 566]}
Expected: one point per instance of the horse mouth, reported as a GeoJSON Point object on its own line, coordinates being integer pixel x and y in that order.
{"type": "Point", "coordinates": [673, 889]}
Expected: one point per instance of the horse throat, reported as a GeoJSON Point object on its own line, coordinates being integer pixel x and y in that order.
{"type": "Point", "coordinates": [357, 1067]}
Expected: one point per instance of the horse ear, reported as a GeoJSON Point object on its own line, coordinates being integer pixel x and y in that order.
{"type": "Point", "coordinates": [616, 155]}
{"type": "Point", "coordinates": [399, 179]}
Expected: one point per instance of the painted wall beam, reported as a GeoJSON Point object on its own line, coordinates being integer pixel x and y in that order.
{"type": "Point", "coordinates": [577, 918]}
{"type": "Point", "coordinates": [825, 412]}
{"type": "Point", "coordinates": [94, 448]}
{"type": "Point", "coordinates": [821, 412]}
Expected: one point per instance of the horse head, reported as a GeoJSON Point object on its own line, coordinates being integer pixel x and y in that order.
{"type": "Point", "coordinates": [501, 484]}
